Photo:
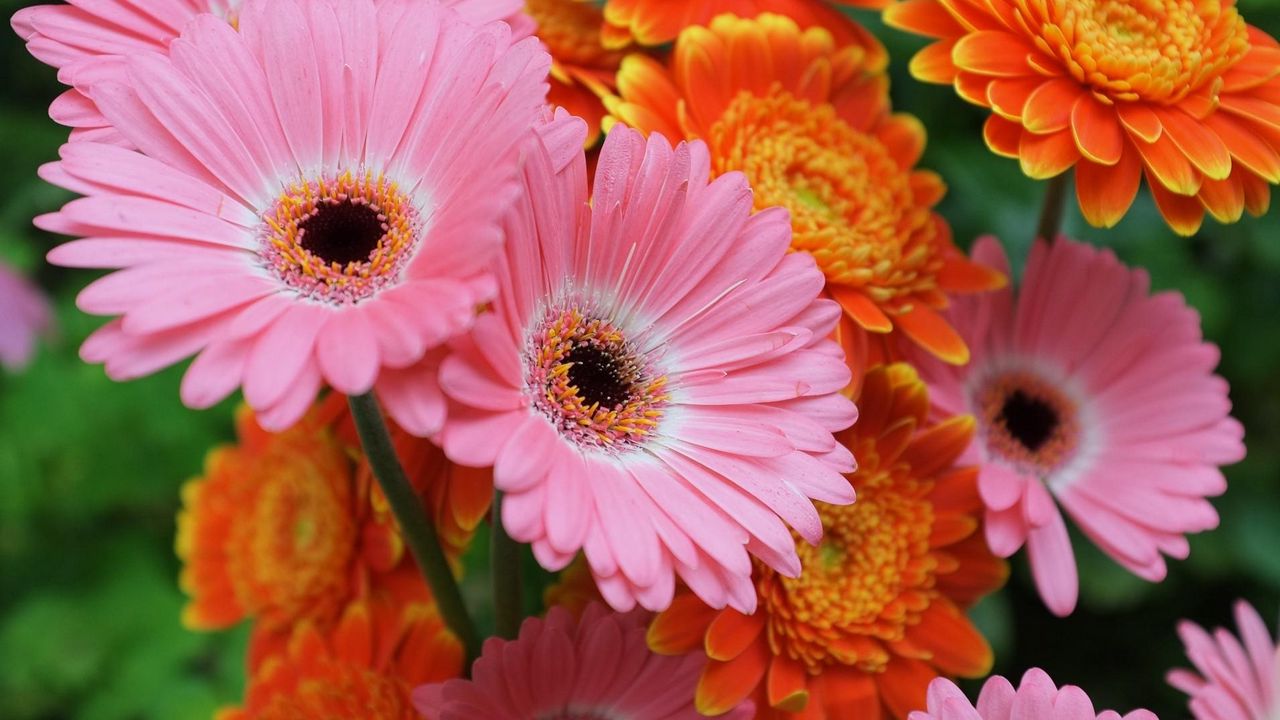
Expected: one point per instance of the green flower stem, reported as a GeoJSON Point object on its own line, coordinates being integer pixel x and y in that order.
{"type": "Point", "coordinates": [1055, 197]}
{"type": "Point", "coordinates": [415, 525]}
{"type": "Point", "coordinates": [505, 565]}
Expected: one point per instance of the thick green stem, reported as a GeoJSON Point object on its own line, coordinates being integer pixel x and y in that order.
{"type": "Point", "coordinates": [415, 525]}
{"type": "Point", "coordinates": [1055, 198]}
{"type": "Point", "coordinates": [505, 566]}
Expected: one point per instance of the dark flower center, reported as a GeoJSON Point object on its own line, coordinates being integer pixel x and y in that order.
{"type": "Point", "coordinates": [1028, 419]}
{"type": "Point", "coordinates": [342, 231]}
{"type": "Point", "coordinates": [599, 376]}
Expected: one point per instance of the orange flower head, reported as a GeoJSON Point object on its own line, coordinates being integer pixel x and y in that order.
{"type": "Point", "coordinates": [366, 666]}
{"type": "Point", "coordinates": [582, 68]}
{"type": "Point", "coordinates": [657, 22]}
{"type": "Point", "coordinates": [1185, 93]}
{"type": "Point", "coordinates": [876, 612]}
{"type": "Point", "coordinates": [807, 120]}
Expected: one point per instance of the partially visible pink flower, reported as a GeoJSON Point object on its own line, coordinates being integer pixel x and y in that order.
{"type": "Point", "coordinates": [87, 41]}
{"type": "Point", "coordinates": [317, 198]}
{"type": "Point", "coordinates": [1036, 698]}
{"type": "Point", "coordinates": [594, 668]}
{"type": "Point", "coordinates": [655, 385]}
{"type": "Point", "coordinates": [24, 314]}
{"type": "Point", "coordinates": [1232, 681]}
{"type": "Point", "coordinates": [1093, 392]}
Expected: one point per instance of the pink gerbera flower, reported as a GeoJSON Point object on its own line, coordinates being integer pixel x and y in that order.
{"type": "Point", "coordinates": [88, 40]}
{"type": "Point", "coordinates": [1090, 390]}
{"type": "Point", "coordinates": [595, 668]}
{"type": "Point", "coordinates": [1231, 681]}
{"type": "Point", "coordinates": [317, 198]}
{"type": "Point", "coordinates": [655, 384]}
{"type": "Point", "coordinates": [1036, 697]}
{"type": "Point", "coordinates": [24, 314]}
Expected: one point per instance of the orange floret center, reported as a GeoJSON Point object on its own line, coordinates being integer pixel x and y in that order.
{"type": "Point", "coordinates": [1152, 50]}
{"type": "Point", "coordinates": [343, 691]}
{"type": "Point", "coordinates": [852, 205]}
{"type": "Point", "coordinates": [870, 577]}
{"type": "Point", "coordinates": [342, 239]}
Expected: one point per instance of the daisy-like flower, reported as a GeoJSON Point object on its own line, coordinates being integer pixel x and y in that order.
{"type": "Point", "coordinates": [1231, 680]}
{"type": "Point", "coordinates": [877, 611]}
{"type": "Point", "coordinates": [657, 22]}
{"type": "Point", "coordinates": [562, 667]}
{"type": "Point", "coordinates": [1035, 697]}
{"type": "Point", "coordinates": [88, 41]}
{"type": "Point", "coordinates": [807, 120]}
{"type": "Point", "coordinates": [286, 527]}
{"type": "Point", "coordinates": [366, 666]}
{"type": "Point", "coordinates": [1091, 391]}
{"type": "Point", "coordinates": [655, 384]}
{"type": "Point", "coordinates": [582, 70]}
{"type": "Point", "coordinates": [327, 214]}
{"type": "Point", "coordinates": [1185, 93]}
{"type": "Point", "coordinates": [25, 316]}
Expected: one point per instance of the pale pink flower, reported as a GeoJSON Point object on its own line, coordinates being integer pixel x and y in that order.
{"type": "Point", "coordinates": [1092, 391]}
{"type": "Point", "coordinates": [24, 315]}
{"type": "Point", "coordinates": [655, 384]}
{"type": "Point", "coordinates": [594, 668]}
{"type": "Point", "coordinates": [317, 198]}
{"type": "Point", "coordinates": [87, 41]}
{"type": "Point", "coordinates": [1232, 681]}
{"type": "Point", "coordinates": [1036, 697]}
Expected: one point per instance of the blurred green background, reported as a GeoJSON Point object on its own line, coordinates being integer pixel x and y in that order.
{"type": "Point", "coordinates": [90, 469]}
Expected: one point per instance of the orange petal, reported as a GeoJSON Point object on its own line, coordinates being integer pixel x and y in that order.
{"type": "Point", "coordinates": [978, 574]}
{"type": "Point", "coordinates": [1169, 166]}
{"type": "Point", "coordinates": [1184, 214]}
{"type": "Point", "coordinates": [725, 684]}
{"type": "Point", "coordinates": [731, 633]}
{"type": "Point", "coordinates": [1008, 96]}
{"type": "Point", "coordinates": [972, 87]}
{"type": "Point", "coordinates": [1048, 109]}
{"type": "Point", "coordinates": [1046, 156]}
{"type": "Point", "coordinates": [923, 17]}
{"type": "Point", "coordinates": [1252, 151]}
{"type": "Point", "coordinates": [895, 438]}
{"type": "Point", "coordinates": [951, 529]}
{"type": "Point", "coordinates": [958, 648]}
{"type": "Point", "coordinates": [1002, 136]}
{"type": "Point", "coordinates": [1257, 194]}
{"type": "Point", "coordinates": [680, 628]}
{"type": "Point", "coordinates": [353, 638]}
{"type": "Point", "coordinates": [933, 63]}
{"type": "Point", "coordinates": [847, 692]}
{"type": "Point", "coordinates": [1201, 145]}
{"type": "Point", "coordinates": [786, 687]}
{"type": "Point", "coordinates": [1097, 130]}
{"type": "Point", "coordinates": [937, 448]}
{"type": "Point", "coordinates": [903, 684]}
{"type": "Point", "coordinates": [1224, 199]}
{"type": "Point", "coordinates": [992, 52]}
{"type": "Point", "coordinates": [861, 308]}
{"type": "Point", "coordinates": [957, 490]}
{"type": "Point", "coordinates": [1140, 120]}
{"type": "Point", "coordinates": [932, 332]}
{"type": "Point", "coordinates": [959, 274]}
{"type": "Point", "coordinates": [1252, 108]}
{"type": "Point", "coordinates": [1106, 193]}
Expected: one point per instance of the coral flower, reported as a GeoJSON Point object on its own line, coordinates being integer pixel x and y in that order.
{"type": "Point", "coordinates": [657, 22]}
{"type": "Point", "coordinates": [655, 384]}
{"type": "Point", "coordinates": [582, 69]}
{"type": "Point", "coordinates": [327, 214]}
{"type": "Point", "coordinates": [26, 314]}
{"type": "Point", "coordinates": [808, 121]}
{"type": "Point", "coordinates": [1182, 92]}
{"type": "Point", "coordinates": [291, 526]}
{"type": "Point", "coordinates": [87, 41]}
{"type": "Point", "coordinates": [1231, 681]}
{"type": "Point", "coordinates": [562, 667]}
{"type": "Point", "coordinates": [364, 667]}
{"type": "Point", "coordinates": [1090, 390]}
{"type": "Point", "coordinates": [877, 611]}
{"type": "Point", "coordinates": [1035, 697]}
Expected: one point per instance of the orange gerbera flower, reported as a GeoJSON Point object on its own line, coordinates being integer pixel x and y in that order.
{"type": "Point", "coordinates": [656, 22]}
{"type": "Point", "coordinates": [1182, 91]}
{"type": "Point", "coordinates": [366, 666]}
{"type": "Point", "coordinates": [877, 610]}
{"type": "Point", "coordinates": [291, 526]}
{"type": "Point", "coordinates": [582, 68]}
{"type": "Point", "coordinates": [808, 121]}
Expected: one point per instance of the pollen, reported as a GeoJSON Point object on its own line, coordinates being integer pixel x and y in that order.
{"type": "Point", "coordinates": [1028, 421]}
{"type": "Point", "coordinates": [591, 382]}
{"type": "Point", "coordinates": [340, 240]}
{"type": "Point", "coordinates": [854, 206]}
